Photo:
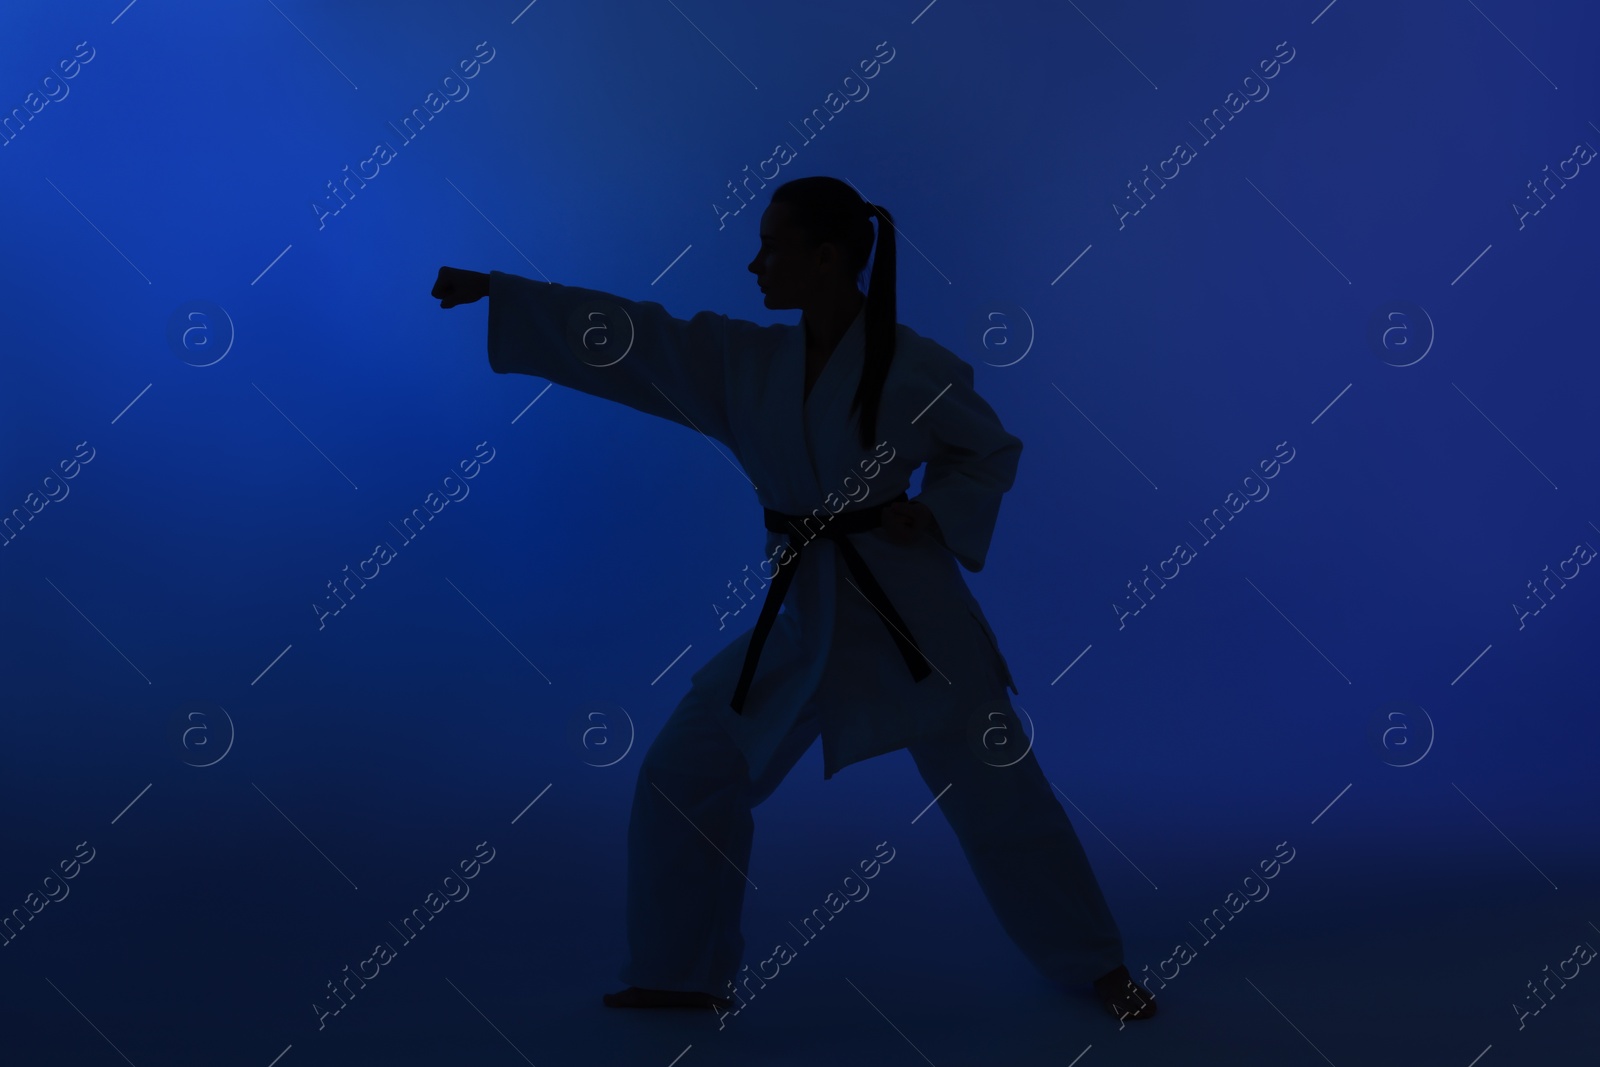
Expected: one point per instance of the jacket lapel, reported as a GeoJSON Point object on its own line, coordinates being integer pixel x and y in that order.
{"type": "Point", "coordinates": [825, 416]}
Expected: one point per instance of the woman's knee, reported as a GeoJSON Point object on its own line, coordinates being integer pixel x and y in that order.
{"type": "Point", "coordinates": [701, 753]}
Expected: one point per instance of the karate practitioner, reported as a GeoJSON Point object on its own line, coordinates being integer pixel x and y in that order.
{"type": "Point", "coordinates": [878, 646]}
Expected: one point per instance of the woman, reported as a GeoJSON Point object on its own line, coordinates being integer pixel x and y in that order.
{"type": "Point", "coordinates": [880, 645]}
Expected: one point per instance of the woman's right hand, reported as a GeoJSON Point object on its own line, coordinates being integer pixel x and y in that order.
{"type": "Point", "coordinates": [905, 520]}
{"type": "Point", "coordinates": [457, 286]}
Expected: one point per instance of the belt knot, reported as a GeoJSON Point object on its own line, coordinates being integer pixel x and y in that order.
{"type": "Point", "coordinates": [835, 528]}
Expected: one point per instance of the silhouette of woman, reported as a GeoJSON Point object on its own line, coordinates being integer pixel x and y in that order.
{"type": "Point", "coordinates": [879, 645]}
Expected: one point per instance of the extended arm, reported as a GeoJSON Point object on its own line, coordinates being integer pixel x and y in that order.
{"type": "Point", "coordinates": [631, 352]}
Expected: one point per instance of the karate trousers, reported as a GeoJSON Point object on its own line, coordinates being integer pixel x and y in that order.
{"type": "Point", "coordinates": [690, 833]}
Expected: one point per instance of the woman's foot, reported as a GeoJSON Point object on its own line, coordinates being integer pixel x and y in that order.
{"type": "Point", "coordinates": [634, 997]}
{"type": "Point", "coordinates": [1123, 997]}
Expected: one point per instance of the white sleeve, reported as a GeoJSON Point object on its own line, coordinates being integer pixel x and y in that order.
{"type": "Point", "coordinates": [673, 368]}
{"type": "Point", "coordinates": [973, 463]}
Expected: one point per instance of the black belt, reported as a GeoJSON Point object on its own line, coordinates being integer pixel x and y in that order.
{"type": "Point", "coordinates": [847, 522]}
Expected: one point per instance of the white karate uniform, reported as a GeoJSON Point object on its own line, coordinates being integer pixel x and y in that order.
{"type": "Point", "coordinates": [830, 665]}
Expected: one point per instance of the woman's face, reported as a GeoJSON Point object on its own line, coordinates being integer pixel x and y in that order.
{"type": "Point", "coordinates": [789, 271]}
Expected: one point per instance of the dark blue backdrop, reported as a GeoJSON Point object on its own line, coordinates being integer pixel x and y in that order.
{"type": "Point", "coordinates": [1182, 245]}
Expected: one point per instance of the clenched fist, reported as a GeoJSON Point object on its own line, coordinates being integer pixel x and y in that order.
{"type": "Point", "coordinates": [904, 520]}
{"type": "Point", "coordinates": [457, 286]}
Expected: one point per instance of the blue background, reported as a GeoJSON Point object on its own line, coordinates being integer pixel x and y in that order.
{"type": "Point", "coordinates": [1438, 866]}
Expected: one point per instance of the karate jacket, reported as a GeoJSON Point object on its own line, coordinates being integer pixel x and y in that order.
{"type": "Point", "coordinates": [742, 384]}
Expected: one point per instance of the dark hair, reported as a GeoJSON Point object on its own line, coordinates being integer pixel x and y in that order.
{"type": "Point", "coordinates": [829, 210]}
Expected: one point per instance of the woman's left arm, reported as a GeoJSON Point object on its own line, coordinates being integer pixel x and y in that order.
{"type": "Point", "coordinates": [974, 461]}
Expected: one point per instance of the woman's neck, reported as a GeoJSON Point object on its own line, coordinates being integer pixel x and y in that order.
{"type": "Point", "coordinates": [825, 322]}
